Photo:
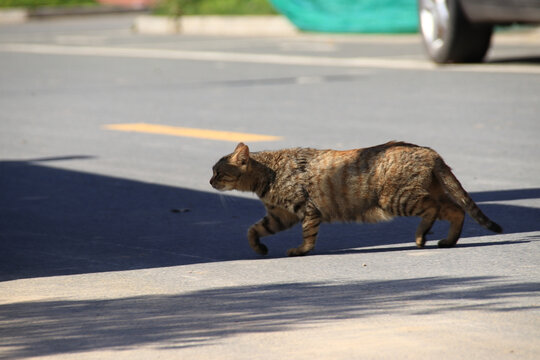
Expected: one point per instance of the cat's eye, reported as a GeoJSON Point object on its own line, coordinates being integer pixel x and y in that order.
{"type": "Point", "coordinates": [222, 177]}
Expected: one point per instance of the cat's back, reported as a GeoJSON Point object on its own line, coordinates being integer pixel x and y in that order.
{"type": "Point", "coordinates": [390, 156]}
{"type": "Point", "coordinates": [368, 160]}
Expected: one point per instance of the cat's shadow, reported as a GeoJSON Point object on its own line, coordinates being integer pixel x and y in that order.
{"type": "Point", "coordinates": [59, 222]}
{"type": "Point", "coordinates": [383, 249]}
{"type": "Point", "coordinates": [509, 208]}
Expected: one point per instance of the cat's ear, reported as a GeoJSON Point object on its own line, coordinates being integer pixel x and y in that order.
{"type": "Point", "coordinates": [239, 147]}
{"type": "Point", "coordinates": [241, 154]}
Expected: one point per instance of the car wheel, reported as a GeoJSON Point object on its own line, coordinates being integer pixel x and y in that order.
{"type": "Point", "coordinates": [448, 36]}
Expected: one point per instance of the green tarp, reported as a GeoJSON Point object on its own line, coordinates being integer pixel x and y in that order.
{"type": "Point", "coordinates": [351, 16]}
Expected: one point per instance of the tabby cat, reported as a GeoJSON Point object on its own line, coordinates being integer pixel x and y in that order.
{"type": "Point", "coordinates": [362, 185]}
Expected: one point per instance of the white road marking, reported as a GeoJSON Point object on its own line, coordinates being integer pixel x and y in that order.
{"type": "Point", "coordinates": [362, 62]}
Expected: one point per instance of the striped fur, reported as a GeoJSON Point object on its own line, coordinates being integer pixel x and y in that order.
{"type": "Point", "coordinates": [362, 185]}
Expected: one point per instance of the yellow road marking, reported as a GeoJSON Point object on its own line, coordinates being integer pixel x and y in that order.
{"type": "Point", "coordinates": [191, 132]}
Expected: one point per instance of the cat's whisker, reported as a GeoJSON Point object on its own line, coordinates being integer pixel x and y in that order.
{"type": "Point", "coordinates": [223, 199]}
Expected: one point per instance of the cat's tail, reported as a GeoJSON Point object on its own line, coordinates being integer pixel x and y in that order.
{"type": "Point", "coordinates": [456, 192]}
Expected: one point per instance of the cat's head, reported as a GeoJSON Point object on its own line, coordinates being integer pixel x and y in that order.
{"type": "Point", "coordinates": [229, 169]}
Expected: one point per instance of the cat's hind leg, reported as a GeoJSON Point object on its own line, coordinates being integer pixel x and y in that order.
{"type": "Point", "coordinates": [428, 209]}
{"type": "Point", "coordinates": [456, 216]}
{"type": "Point", "coordinates": [428, 218]}
{"type": "Point", "coordinates": [275, 220]}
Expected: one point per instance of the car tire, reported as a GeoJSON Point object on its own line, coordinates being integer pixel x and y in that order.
{"type": "Point", "coordinates": [447, 34]}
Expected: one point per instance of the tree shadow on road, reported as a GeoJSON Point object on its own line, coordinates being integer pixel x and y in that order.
{"type": "Point", "coordinates": [207, 316]}
{"type": "Point", "coordinates": [60, 222]}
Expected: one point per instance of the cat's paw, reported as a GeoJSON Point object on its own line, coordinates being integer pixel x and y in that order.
{"type": "Point", "coordinates": [444, 243]}
{"type": "Point", "coordinates": [296, 252]}
{"type": "Point", "coordinates": [261, 249]}
{"type": "Point", "coordinates": [420, 243]}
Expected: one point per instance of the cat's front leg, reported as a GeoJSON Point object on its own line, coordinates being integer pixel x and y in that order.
{"type": "Point", "coordinates": [254, 236]}
{"type": "Point", "coordinates": [310, 230]}
{"type": "Point", "coordinates": [275, 220]}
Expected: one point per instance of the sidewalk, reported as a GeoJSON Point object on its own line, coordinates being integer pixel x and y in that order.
{"type": "Point", "coordinates": [272, 25]}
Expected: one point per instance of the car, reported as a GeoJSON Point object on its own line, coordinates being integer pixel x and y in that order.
{"type": "Point", "coordinates": [459, 31]}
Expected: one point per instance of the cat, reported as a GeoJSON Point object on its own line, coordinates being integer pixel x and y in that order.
{"type": "Point", "coordinates": [362, 185]}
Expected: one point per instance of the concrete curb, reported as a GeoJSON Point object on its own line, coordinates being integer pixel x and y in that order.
{"type": "Point", "coordinates": [13, 16]}
{"type": "Point", "coordinates": [44, 12]}
{"type": "Point", "coordinates": [216, 25]}
{"type": "Point", "coordinates": [21, 15]}
{"type": "Point", "coordinates": [273, 25]}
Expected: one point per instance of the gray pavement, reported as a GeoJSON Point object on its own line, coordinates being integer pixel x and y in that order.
{"type": "Point", "coordinates": [113, 244]}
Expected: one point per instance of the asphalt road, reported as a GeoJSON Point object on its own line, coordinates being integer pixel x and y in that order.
{"type": "Point", "coordinates": [114, 245]}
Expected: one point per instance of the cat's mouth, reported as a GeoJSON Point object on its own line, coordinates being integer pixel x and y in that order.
{"type": "Point", "coordinates": [217, 186]}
